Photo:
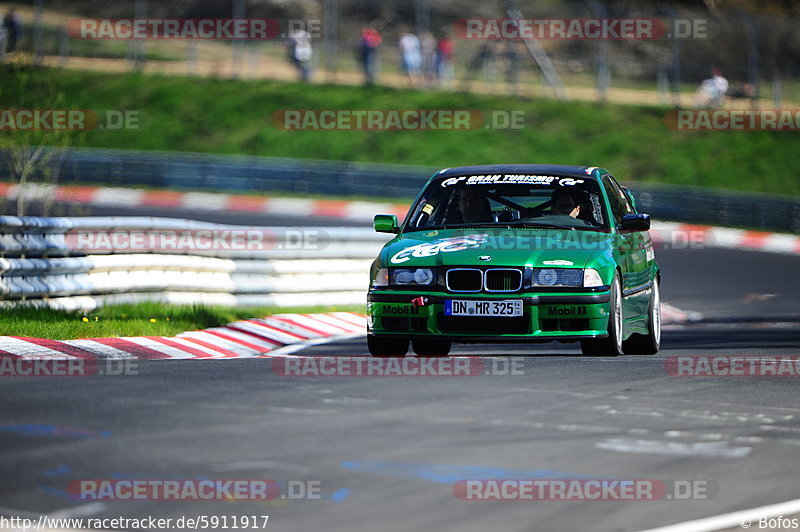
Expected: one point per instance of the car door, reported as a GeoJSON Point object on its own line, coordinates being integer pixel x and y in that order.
{"type": "Point", "coordinates": [638, 260]}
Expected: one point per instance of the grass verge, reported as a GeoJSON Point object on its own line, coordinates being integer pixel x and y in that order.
{"type": "Point", "coordinates": [236, 116]}
{"type": "Point", "coordinates": [143, 319]}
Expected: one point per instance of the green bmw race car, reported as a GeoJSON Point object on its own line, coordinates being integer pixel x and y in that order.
{"type": "Point", "coordinates": [516, 253]}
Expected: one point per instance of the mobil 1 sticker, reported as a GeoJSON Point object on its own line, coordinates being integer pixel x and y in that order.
{"type": "Point", "coordinates": [567, 311]}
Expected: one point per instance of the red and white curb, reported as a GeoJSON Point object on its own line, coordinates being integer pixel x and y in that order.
{"type": "Point", "coordinates": [671, 315]}
{"type": "Point", "coordinates": [130, 197]}
{"type": "Point", "coordinates": [687, 236]}
{"type": "Point", "coordinates": [278, 335]}
{"type": "Point", "coordinates": [273, 336]}
{"type": "Point", "coordinates": [666, 234]}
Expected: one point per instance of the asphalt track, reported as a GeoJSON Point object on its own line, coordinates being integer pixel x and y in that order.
{"type": "Point", "coordinates": [388, 450]}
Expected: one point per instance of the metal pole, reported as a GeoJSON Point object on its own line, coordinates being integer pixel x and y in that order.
{"type": "Point", "coordinates": [3, 44]}
{"type": "Point", "coordinates": [538, 54]}
{"type": "Point", "coordinates": [63, 48]}
{"type": "Point", "coordinates": [662, 85]}
{"type": "Point", "coordinates": [140, 45]}
{"type": "Point", "coordinates": [777, 91]}
{"type": "Point", "coordinates": [38, 31]}
{"type": "Point", "coordinates": [238, 44]}
{"type": "Point", "coordinates": [329, 36]}
{"type": "Point", "coordinates": [601, 59]}
{"type": "Point", "coordinates": [422, 13]}
{"type": "Point", "coordinates": [676, 55]}
{"type": "Point", "coordinates": [191, 56]}
{"type": "Point", "coordinates": [752, 53]}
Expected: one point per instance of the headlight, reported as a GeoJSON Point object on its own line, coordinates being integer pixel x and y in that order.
{"type": "Point", "coordinates": [557, 277]}
{"type": "Point", "coordinates": [592, 278]}
{"type": "Point", "coordinates": [382, 278]}
{"type": "Point", "coordinates": [411, 276]}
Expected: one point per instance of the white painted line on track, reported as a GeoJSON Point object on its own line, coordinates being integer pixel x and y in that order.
{"type": "Point", "coordinates": [742, 519]}
{"type": "Point", "coordinates": [293, 348]}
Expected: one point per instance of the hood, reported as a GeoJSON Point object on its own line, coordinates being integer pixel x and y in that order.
{"type": "Point", "coordinates": [506, 247]}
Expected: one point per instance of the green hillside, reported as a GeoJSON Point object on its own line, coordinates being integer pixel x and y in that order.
{"type": "Point", "coordinates": [236, 116]}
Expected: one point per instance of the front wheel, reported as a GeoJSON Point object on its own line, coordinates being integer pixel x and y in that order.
{"type": "Point", "coordinates": [431, 348]}
{"type": "Point", "coordinates": [611, 346]}
{"type": "Point", "coordinates": [386, 347]}
{"type": "Point", "coordinates": [650, 343]}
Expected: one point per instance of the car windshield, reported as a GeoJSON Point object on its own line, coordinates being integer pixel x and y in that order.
{"type": "Point", "coordinates": [509, 200]}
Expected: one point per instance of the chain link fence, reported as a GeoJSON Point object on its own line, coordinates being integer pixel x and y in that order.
{"type": "Point", "coordinates": [758, 50]}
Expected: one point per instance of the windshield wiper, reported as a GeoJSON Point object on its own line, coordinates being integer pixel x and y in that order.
{"type": "Point", "coordinates": [469, 226]}
{"type": "Point", "coordinates": [509, 225]}
{"type": "Point", "coordinates": [554, 226]}
{"type": "Point", "coordinates": [535, 224]}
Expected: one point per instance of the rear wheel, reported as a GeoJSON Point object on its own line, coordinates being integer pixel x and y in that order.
{"type": "Point", "coordinates": [650, 343]}
{"type": "Point", "coordinates": [387, 347]}
{"type": "Point", "coordinates": [611, 346]}
{"type": "Point", "coordinates": [431, 348]}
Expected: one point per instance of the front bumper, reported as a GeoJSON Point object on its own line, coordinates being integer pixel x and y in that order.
{"type": "Point", "coordinates": [546, 317]}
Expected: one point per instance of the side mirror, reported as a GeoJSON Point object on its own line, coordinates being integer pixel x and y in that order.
{"type": "Point", "coordinates": [635, 222]}
{"type": "Point", "coordinates": [386, 223]}
{"type": "Point", "coordinates": [629, 195]}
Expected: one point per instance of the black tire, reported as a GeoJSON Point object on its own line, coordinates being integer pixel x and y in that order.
{"type": "Point", "coordinates": [431, 348]}
{"type": "Point", "coordinates": [611, 346]}
{"type": "Point", "coordinates": [650, 343]}
{"type": "Point", "coordinates": [386, 347]}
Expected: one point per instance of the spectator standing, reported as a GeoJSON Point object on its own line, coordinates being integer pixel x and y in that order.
{"type": "Point", "coordinates": [411, 55]}
{"type": "Point", "coordinates": [300, 52]}
{"type": "Point", "coordinates": [485, 59]}
{"type": "Point", "coordinates": [429, 71]}
{"type": "Point", "coordinates": [12, 29]}
{"type": "Point", "coordinates": [712, 91]}
{"type": "Point", "coordinates": [444, 60]}
{"type": "Point", "coordinates": [368, 43]}
{"type": "Point", "coordinates": [720, 83]}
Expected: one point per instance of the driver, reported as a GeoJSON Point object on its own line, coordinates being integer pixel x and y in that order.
{"type": "Point", "coordinates": [563, 202]}
{"type": "Point", "coordinates": [473, 206]}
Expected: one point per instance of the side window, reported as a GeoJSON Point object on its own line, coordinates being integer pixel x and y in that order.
{"type": "Point", "coordinates": [628, 206]}
{"type": "Point", "coordinates": [620, 206]}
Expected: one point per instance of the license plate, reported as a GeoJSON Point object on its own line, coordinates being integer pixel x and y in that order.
{"type": "Point", "coordinates": [508, 307]}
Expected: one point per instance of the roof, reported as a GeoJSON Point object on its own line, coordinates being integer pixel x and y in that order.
{"type": "Point", "coordinates": [533, 169]}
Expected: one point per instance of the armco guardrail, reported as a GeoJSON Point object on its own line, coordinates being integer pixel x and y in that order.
{"type": "Point", "coordinates": [237, 173]}
{"type": "Point", "coordinates": [230, 173]}
{"type": "Point", "coordinates": [83, 263]}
